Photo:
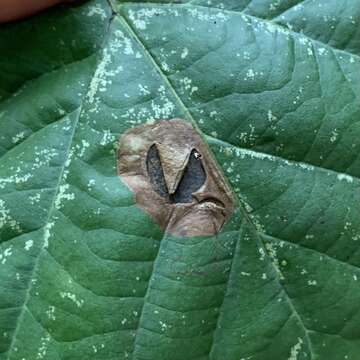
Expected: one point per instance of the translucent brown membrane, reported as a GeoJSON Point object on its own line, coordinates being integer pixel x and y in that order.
{"type": "Point", "coordinates": [174, 178]}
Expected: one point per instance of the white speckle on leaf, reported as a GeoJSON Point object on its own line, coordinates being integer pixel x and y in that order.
{"type": "Point", "coordinates": [274, 5]}
{"type": "Point", "coordinates": [50, 312]}
{"type": "Point", "coordinates": [97, 10]}
{"type": "Point", "coordinates": [268, 26]}
{"type": "Point", "coordinates": [243, 153]}
{"type": "Point", "coordinates": [99, 79]}
{"type": "Point", "coordinates": [246, 55]}
{"type": "Point", "coordinates": [295, 350]}
{"type": "Point", "coordinates": [122, 42]}
{"type": "Point", "coordinates": [204, 15]}
{"type": "Point", "coordinates": [165, 66]}
{"type": "Point", "coordinates": [185, 53]}
{"type": "Point", "coordinates": [63, 195]}
{"type": "Point", "coordinates": [305, 166]}
{"type": "Point", "coordinates": [262, 254]}
{"type": "Point", "coordinates": [7, 219]}
{"type": "Point", "coordinates": [5, 254]}
{"type": "Point", "coordinates": [144, 90]}
{"type": "Point", "coordinates": [43, 158]}
{"type": "Point", "coordinates": [270, 116]}
{"type": "Point", "coordinates": [15, 139]}
{"type": "Point", "coordinates": [61, 111]}
{"type": "Point", "coordinates": [90, 184]}
{"type": "Point", "coordinates": [345, 177]}
{"type": "Point", "coordinates": [47, 234]}
{"type": "Point", "coordinates": [43, 347]}
{"type": "Point", "coordinates": [107, 138]}
{"type": "Point", "coordinates": [271, 249]}
{"type": "Point", "coordinates": [186, 83]}
{"type": "Point", "coordinates": [84, 145]}
{"type": "Point", "coordinates": [163, 325]}
{"type": "Point", "coordinates": [140, 18]}
{"type": "Point", "coordinates": [312, 282]}
{"type": "Point", "coordinates": [334, 135]}
{"type": "Point", "coordinates": [322, 51]}
{"type": "Point", "coordinates": [243, 273]}
{"type": "Point", "coordinates": [73, 298]}
{"type": "Point", "coordinates": [187, 86]}
{"type": "Point", "coordinates": [160, 108]}
{"type": "Point", "coordinates": [102, 76]}
{"type": "Point", "coordinates": [34, 199]}
{"type": "Point", "coordinates": [164, 110]}
{"type": "Point", "coordinates": [250, 74]}
{"type": "Point", "coordinates": [16, 178]}
{"type": "Point", "coordinates": [28, 245]}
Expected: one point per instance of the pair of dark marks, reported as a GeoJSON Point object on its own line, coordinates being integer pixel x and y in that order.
{"type": "Point", "coordinates": [174, 178]}
{"type": "Point", "coordinates": [192, 179]}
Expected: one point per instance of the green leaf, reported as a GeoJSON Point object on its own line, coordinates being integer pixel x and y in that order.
{"type": "Point", "coordinates": [274, 88]}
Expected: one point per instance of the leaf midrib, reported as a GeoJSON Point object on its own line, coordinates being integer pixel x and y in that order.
{"type": "Point", "coordinates": [243, 210]}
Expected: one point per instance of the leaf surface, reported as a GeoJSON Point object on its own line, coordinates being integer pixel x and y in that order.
{"type": "Point", "coordinates": [273, 86]}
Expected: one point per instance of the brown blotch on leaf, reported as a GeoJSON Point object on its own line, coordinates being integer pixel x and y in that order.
{"type": "Point", "coordinates": [174, 178]}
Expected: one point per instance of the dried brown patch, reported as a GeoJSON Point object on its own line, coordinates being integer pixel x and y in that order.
{"type": "Point", "coordinates": [174, 178]}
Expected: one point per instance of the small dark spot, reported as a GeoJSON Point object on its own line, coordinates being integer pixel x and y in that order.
{"type": "Point", "coordinates": [267, 139]}
{"type": "Point", "coordinates": [155, 172]}
{"type": "Point", "coordinates": [193, 177]}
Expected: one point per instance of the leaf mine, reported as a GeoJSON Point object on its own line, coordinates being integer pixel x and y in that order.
{"type": "Point", "coordinates": [174, 179]}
